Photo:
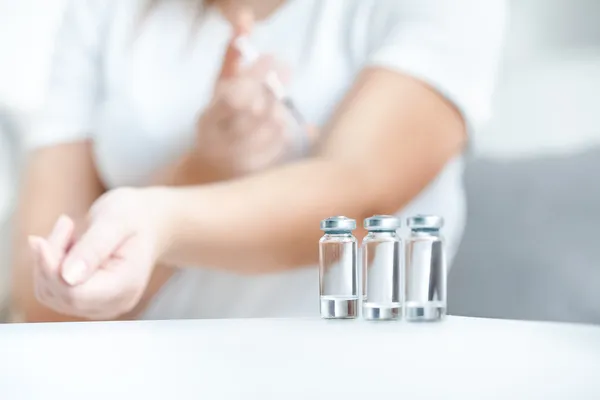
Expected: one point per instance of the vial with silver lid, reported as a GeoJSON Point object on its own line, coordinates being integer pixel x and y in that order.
{"type": "Point", "coordinates": [338, 271]}
{"type": "Point", "coordinates": [425, 270]}
{"type": "Point", "coordinates": [382, 269]}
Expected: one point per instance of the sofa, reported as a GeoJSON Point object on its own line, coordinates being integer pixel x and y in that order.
{"type": "Point", "coordinates": [529, 250]}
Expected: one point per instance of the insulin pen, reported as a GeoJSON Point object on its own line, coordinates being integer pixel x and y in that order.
{"type": "Point", "coordinates": [275, 86]}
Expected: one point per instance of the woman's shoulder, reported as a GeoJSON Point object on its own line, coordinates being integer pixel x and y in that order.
{"type": "Point", "coordinates": [395, 6]}
{"type": "Point", "coordinates": [376, 13]}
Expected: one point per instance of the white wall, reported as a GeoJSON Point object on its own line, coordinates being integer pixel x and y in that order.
{"type": "Point", "coordinates": [549, 89]}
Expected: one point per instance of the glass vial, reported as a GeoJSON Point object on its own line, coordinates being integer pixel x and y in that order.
{"type": "Point", "coordinates": [338, 271]}
{"type": "Point", "coordinates": [425, 270]}
{"type": "Point", "coordinates": [382, 269]}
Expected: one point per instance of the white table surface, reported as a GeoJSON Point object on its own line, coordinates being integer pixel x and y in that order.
{"type": "Point", "coordinates": [460, 358]}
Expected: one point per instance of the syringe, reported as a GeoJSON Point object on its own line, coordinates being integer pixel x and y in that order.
{"type": "Point", "coordinates": [276, 87]}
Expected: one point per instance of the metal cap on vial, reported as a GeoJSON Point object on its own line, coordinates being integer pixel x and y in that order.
{"type": "Point", "coordinates": [425, 222]}
{"type": "Point", "coordinates": [338, 224]}
{"type": "Point", "coordinates": [382, 223]}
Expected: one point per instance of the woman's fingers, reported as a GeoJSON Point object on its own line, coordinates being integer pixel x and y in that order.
{"type": "Point", "coordinates": [34, 245]}
{"type": "Point", "coordinates": [231, 61]}
{"type": "Point", "coordinates": [268, 157]}
{"type": "Point", "coordinates": [49, 253]}
{"type": "Point", "coordinates": [119, 285]}
{"type": "Point", "coordinates": [261, 68]}
{"type": "Point", "coordinates": [50, 258]}
{"type": "Point", "coordinates": [38, 271]}
{"type": "Point", "coordinates": [271, 75]}
{"type": "Point", "coordinates": [255, 126]}
{"type": "Point", "coordinates": [240, 96]}
{"type": "Point", "coordinates": [244, 106]}
{"type": "Point", "coordinates": [46, 266]}
{"type": "Point", "coordinates": [245, 124]}
{"type": "Point", "coordinates": [233, 58]}
{"type": "Point", "coordinates": [248, 91]}
{"type": "Point", "coordinates": [114, 289]}
{"type": "Point", "coordinates": [46, 259]}
{"type": "Point", "coordinates": [97, 244]}
{"type": "Point", "coordinates": [62, 233]}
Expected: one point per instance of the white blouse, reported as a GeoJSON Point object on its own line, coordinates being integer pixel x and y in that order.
{"type": "Point", "coordinates": [135, 88]}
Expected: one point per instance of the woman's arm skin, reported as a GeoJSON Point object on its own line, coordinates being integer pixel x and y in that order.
{"type": "Point", "coordinates": [389, 139]}
{"type": "Point", "coordinates": [59, 180]}
{"type": "Point", "coordinates": [65, 177]}
{"type": "Point", "coordinates": [62, 180]}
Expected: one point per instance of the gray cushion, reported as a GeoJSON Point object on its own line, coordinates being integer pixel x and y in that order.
{"type": "Point", "coordinates": [531, 246]}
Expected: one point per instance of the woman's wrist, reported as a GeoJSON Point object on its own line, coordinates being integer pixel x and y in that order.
{"type": "Point", "coordinates": [163, 217]}
{"type": "Point", "coordinates": [189, 170]}
{"type": "Point", "coordinates": [176, 211]}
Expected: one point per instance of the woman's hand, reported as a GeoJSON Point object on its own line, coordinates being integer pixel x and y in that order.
{"type": "Point", "coordinates": [244, 129]}
{"type": "Point", "coordinates": [102, 274]}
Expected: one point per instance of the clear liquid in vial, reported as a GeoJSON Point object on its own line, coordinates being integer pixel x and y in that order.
{"type": "Point", "coordinates": [339, 307]}
{"type": "Point", "coordinates": [382, 285]}
{"type": "Point", "coordinates": [425, 311]}
{"type": "Point", "coordinates": [338, 276]}
{"type": "Point", "coordinates": [378, 311]}
{"type": "Point", "coordinates": [425, 279]}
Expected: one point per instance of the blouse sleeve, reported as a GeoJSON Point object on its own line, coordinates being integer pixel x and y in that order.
{"type": "Point", "coordinates": [452, 45]}
{"type": "Point", "coordinates": [73, 89]}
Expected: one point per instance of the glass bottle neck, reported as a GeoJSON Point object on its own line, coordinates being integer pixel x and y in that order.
{"type": "Point", "coordinates": [340, 234]}
{"type": "Point", "coordinates": [425, 232]}
{"type": "Point", "coordinates": [382, 234]}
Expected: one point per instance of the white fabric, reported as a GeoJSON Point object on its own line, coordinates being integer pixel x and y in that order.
{"type": "Point", "coordinates": [136, 90]}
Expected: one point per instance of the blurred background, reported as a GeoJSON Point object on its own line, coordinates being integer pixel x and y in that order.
{"type": "Point", "coordinates": [533, 181]}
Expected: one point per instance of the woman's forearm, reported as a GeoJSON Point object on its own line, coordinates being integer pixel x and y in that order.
{"type": "Point", "coordinates": [265, 222]}
{"type": "Point", "coordinates": [57, 180]}
{"type": "Point", "coordinates": [390, 138]}
{"type": "Point", "coordinates": [187, 171]}
{"type": "Point", "coordinates": [271, 221]}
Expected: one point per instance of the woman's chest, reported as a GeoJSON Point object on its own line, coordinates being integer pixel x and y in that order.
{"type": "Point", "coordinates": [156, 86]}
